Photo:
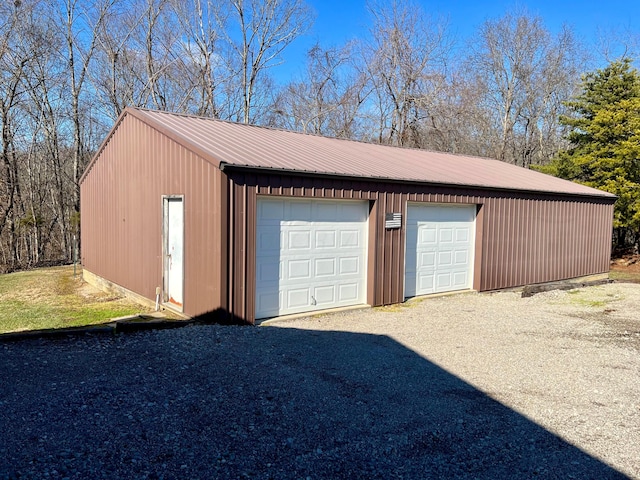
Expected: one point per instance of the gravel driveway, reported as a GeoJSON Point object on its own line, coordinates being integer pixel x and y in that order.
{"type": "Point", "coordinates": [468, 386]}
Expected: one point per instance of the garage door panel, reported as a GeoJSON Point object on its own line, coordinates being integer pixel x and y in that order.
{"type": "Point", "coordinates": [297, 297]}
{"type": "Point", "coordinates": [326, 239]}
{"type": "Point", "coordinates": [461, 257]}
{"type": "Point", "coordinates": [299, 269]}
{"type": "Point", "coordinates": [428, 236]}
{"type": "Point", "coordinates": [460, 279]}
{"type": "Point", "coordinates": [349, 239]}
{"type": "Point", "coordinates": [299, 239]}
{"type": "Point", "coordinates": [268, 241]}
{"type": "Point", "coordinates": [462, 235]}
{"type": "Point", "coordinates": [268, 270]}
{"type": "Point", "coordinates": [439, 257]}
{"type": "Point", "coordinates": [348, 292]}
{"type": "Point", "coordinates": [427, 260]}
{"type": "Point", "coordinates": [271, 210]}
{"type": "Point", "coordinates": [322, 251]}
{"type": "Point", "coordinates": [446, 235]}
{"type": "Point", "coordinates": [443, 281]}
{"type": "Point", "coordinates": [348, 266]}
{"type": "Point", "coordinates": [325, 267]}
{"type": "Point", "coordinates": [353, 212]}
{"type": "Point", "coordinates": [426, 283]}
{"type": "Point", "coordinates": [270, 299]}
{"type": "Point", "coordinates": [445, 259]}
{"type": "Point", "coordinates": [298, 211]}
{"type": "Point", "coordinates": [326, 212]}
{"type": "Point", "coordinates": [325, 295]}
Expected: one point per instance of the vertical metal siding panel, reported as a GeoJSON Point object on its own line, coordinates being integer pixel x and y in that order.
{"type": "Point", "coordinates": [544, 240]}
{"type": "Point", "coordinates": [571, 215]}
{"type": "Point", "coordinates": [487, 230]}
{"type": "Point", "coordinates": [544, 247]}
{"type": "Point", "coordinates": [397, 293]}
{"type": "Point", "coordinates": [566, 226]}
{"type": "Point", "coordinates": [552, 257]}
{"type": "Point", "coordinates": [388, 245]}
{"type": "Point", "coordinates": [588, 237]}
{"type": "Point", "coordinates": [501, 271]}
{"type": "Point", "coordinates": [535, 241]}
{"type": "Point", "coordinates": [509, 220]}
{"type": "Point", "coordinates": [372, 248]}
{"type": "Point", "coordinates": [238, 199]}
{"type": "Point", "coordinates": [477, 256]}
{"type": "Point", "coordinates": [516, 235]}
{"type": "Point", "coordinates": [495, 250]}
{"type": "Point", "coordinates": [250, 245]}
{"type": "Point", "coordinates": [381, 249]}
{"type": "Point", "coordinates": [523, 229]}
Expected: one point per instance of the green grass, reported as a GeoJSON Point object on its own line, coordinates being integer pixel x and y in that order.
{"type": "Point", "coordinates": [50, 298]}
{"type": "Point", "coordinates": [624, 276]}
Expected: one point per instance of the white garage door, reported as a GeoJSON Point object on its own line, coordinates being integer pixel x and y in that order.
{"type": "Point", "coordinates": [439, 250]}
{"type": "Point", "coordinates": [310, 255]}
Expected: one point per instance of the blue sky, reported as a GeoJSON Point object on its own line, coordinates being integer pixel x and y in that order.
{"type": "Point", "coordinates": [339, 21]}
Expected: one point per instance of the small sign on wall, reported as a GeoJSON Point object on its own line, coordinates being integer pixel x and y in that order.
{"type": "Point", "coordinates": [392, 220]}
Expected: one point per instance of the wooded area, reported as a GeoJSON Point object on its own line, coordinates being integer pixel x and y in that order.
{"type": "Point", "coordinates": [68, 68]}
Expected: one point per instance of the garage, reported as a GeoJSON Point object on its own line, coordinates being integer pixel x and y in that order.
{"type": "Point", "coordinates": [271, 222]}
{"type": "Point", "coordinates": [310, 255]}
{"type": "Point", "coordinates": [439, 248]}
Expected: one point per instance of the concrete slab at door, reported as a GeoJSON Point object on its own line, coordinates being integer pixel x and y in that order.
{"type": "Point", "coordinates": [310, 255]}
{"type": "Point", "coordinates": [174, 251]}
{"type": "Point", "coordinates": [439, 248]}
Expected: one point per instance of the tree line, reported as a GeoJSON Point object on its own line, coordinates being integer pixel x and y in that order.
{"type": "Point", "coordinates": [68, 68]}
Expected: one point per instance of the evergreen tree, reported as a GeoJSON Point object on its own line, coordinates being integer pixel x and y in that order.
{"type": "Point", "coordinates": [605, 142]}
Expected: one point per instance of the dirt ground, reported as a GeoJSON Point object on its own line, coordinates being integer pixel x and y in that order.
{"type": "Point", "coordinates": [628, 266]}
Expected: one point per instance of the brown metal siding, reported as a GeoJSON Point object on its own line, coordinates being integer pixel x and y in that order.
{"type": "Point", "coordinates": [536, 240]}
{"type": "Point", "coordinates": [122, 215]}
{"type": "Point", "coordinates": [520, 238]}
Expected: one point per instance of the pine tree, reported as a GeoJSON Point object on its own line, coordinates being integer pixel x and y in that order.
{"type": "Point", "coordinates": [604, 141]}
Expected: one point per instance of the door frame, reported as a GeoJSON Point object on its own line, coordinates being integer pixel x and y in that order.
{"type": "Point", "coordinates": [166, 199]}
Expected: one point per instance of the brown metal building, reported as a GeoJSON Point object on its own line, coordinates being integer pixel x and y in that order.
{"type": "Point", "coordinates": [253, 222]}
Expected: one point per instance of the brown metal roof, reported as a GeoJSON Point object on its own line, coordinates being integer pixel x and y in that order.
{"type": "Point", "coordinates": [239, 145]}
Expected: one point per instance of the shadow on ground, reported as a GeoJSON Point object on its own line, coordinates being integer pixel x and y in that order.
{"type": "Point", "coordinates": [210, 401]}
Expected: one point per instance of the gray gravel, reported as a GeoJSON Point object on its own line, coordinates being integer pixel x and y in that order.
{"type": "Point", "coordinates": [466, 386]}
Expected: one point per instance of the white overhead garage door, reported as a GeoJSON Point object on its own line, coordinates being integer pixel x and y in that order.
{"type": "Point", "coordinates": [310, 255]}
{"type": "Point", "coordinates": [439, 249]}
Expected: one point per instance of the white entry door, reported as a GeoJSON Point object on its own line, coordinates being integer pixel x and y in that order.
{"type": "Point", "coordinates": [310, 255]}
{"type": "Point", "coordinates": [173, 251]}
{"type": "Point", "coordinates": [439, 248]}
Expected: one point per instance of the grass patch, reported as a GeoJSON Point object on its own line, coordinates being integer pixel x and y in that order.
{"type": "Point", "coordinates": [625, 276]}
{"type": "Point", "coordinates": [591, 297]}
{"type": "Point", "coordinates": [49, 298]}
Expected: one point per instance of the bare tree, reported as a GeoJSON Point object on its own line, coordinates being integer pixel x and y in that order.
{"type": "Point", "coordinates": [202, 68]}
{"type": "Point", "coordinates": [256, 32]}
{"type": "Point", "coordinates": [524, 73]}
{"type": "Point", "coordinates": [406, 59]}
{"type": "Point", "coordinates": [616, 44]}
{"type": "Point", "coordinates": [17, 35]}
{"type": "Point", "coordinates": [80, 22]}
{"type": "Point", "coordinates": [327, 99]}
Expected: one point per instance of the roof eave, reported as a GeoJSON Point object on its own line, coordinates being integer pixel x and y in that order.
{"type": "Point", "coordinates": [225, 167]}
